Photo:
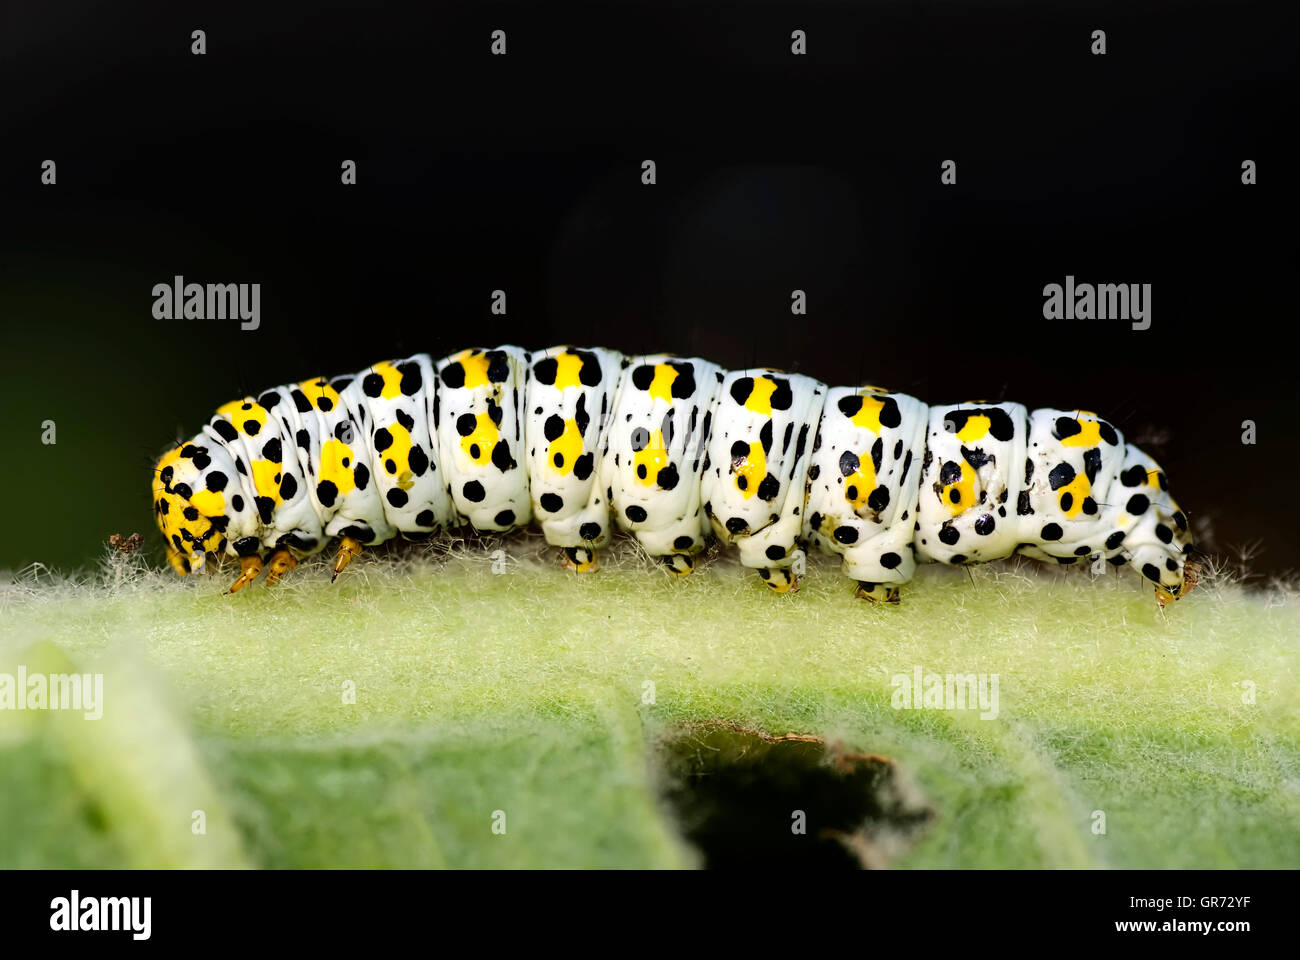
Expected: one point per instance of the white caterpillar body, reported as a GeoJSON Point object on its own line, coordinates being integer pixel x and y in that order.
{"type": "Point", "coordinates": [674, 451]}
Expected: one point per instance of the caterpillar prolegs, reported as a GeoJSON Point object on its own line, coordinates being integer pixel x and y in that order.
{"type": "Point", "coordinates": [674, 451]}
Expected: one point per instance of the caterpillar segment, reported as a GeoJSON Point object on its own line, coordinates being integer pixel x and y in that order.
{"type": "Point", "coordinates": [971, 478]}
{"type": "Point", "coordinates": [331, 426]}
{"type": "Point", "coordinates": [479, 422]}
{"type": "Point", "coordinates": [756, 469]}
{"type": "Point", "coordinates": [674, 451]}
{"type": "Point", "coordinates": [569, 400]}
{"type": "Point", "coordinates": [404, 458]}
{"type": "Point", "coordinates": [655, 452]}
{"type": "Point", "coordinates": [862, 486]}
{"type": "Point", "coordinates": [271, 475]}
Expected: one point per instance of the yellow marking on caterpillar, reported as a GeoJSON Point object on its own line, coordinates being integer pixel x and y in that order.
{"type": "Point", "coordinates": [317, 389]}
{"type": "Point", "coordinates": [653, 457]}
{"type": "Point", "coordinates": [760, 398]}
{"type": "Point", "coordinates": [397, 455]}
{"type": "Point", "coordinates": [332, 454]}
{"type": "Point", "coordinates": [868, 415]}
{"type": "Point", "coordinates": [1078, 488]}
{"type": "Point", "coordinates": [965, 488]}
{"type": "Point", "coordinates": [859, 484]}
{"type": "Point", "coordinates": [476, 368]}
{"type": "Point", "coordinates": [210, 503]}
{"type": "Point", "coordinates": [975, 428]}
{"type": "Point", "coordinates": [484, 437]}
{"type": "Point", "coordinates": [565, 449]}
{"type": "Point", "coordinates": [568, 370]}
{"type": "Point", "coordinates": [661, 387]}
{"type": "Point", "coordinates": [392, 379]}
{"type": "Point", "coordinates": [1089, 435]}
{"type": "Point", "coordinates": [265, 473]}
{"type": "Point", "coordinates": [240, 412]}
{"type": "Point", "coordinates": [752, 471]}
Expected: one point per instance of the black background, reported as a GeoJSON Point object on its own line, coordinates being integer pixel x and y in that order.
{"type": "Point", "coordinates": [523, 173]}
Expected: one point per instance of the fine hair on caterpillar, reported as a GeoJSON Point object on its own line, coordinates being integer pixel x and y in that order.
{"type": "Point", "coordinates": [675, 451]}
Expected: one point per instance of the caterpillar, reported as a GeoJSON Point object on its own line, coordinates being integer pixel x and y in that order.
{"type": "Point", "coordinates": [675, 451]}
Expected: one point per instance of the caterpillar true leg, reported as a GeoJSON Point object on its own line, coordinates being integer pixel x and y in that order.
{"type": "Point", "coordinates": [249, 568]}
{"type": "Point", "coordinates": [349, 550]}
{"type": "Point", "coordinates": [278, 564]}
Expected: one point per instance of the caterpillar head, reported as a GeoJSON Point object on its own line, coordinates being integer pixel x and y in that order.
{"type": "Point", "coordinates": [190, 513]}
{"type": "Point", "coordinates": [1167, 566]}
{"type": "Point", "coordinates": [1156, 537]}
